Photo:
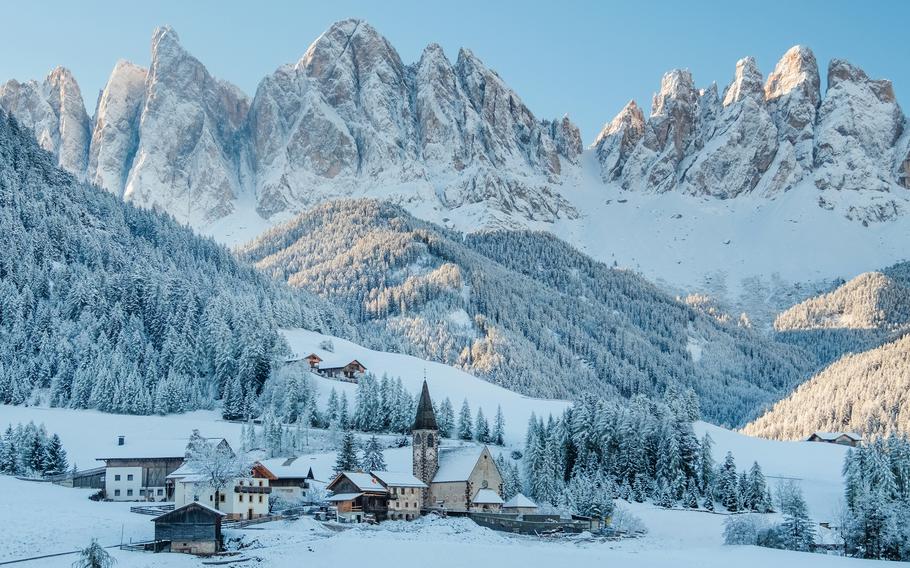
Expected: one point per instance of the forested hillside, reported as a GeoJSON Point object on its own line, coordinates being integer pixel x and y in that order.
{"type": "Point", "coordinates": [866, 392]}
{"type": "Point", "coordinates": [107, 306]}
{"type": "Point", "coordinates": [860, 328]}
{"type": "Point", "coordinates": [524, 310]}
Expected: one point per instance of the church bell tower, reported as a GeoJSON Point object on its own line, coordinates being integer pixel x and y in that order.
{"type": "Point", "coordinates": [425, 442]}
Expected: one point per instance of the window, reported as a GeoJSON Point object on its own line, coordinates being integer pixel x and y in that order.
{"type": "Point", "coordinates": [142, 491]}
{"type": "Point", "coordinates": [241, 498]}
{"type": "Point", "coordinates": [161, 492]}
{"type": "Point", "coordinates": [430, 440]}
{"type": "Point", "coordinates": [117, 477]}
{"type": "Point", "coordinates": [417, 439]}
{"type": "Point", "coordinates": [211, 498]}
{"type": "Point", "coordinates": [222, 497]}
{"type": "Point", "coordinates": [129, 492]}
{"type": "Point", "coordinates": [129, 477]}
{"type": "Point", "coordinates": [260, 483]}
{"type": "Point", "coordinates": [116, 493]}
{"type": "Point", "coordinates": [241, 482]}
{"type": "Point", "coordinates": [260, 498]}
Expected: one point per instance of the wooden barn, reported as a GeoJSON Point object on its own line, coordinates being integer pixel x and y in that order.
{"type": "Point", "coordinates": [193, 529]}
{"type": "Point", "coordinates": [349, 372]}
{"type": "Point", "coordinates": [851, 439]}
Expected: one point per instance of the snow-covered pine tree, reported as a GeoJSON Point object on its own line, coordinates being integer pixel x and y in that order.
{"type": "Point", "coordinates": [481, 428]}
{"type": "Point", "coordinates": [446, 419]}
{"type": "Point", "coordinates": [373, 458]}
{"type": "Point", "coordinates": [346, 459]}
{"type": "Point", "coordinates": [499, 428]}
{"type": "Point", "coordinates": [728, 484]}
{"type": "Point", "coordinates": [465, 431]}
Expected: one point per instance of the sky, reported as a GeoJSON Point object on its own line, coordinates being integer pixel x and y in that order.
{"type": "Point", "coordinates": [584, 59]}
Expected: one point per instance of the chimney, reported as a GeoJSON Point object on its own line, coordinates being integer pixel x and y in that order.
{"type": "Point", "coordinates": [121, 440]}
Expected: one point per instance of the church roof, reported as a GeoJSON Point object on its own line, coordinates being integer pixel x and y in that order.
{"type": "Point", "coordinates": [426, 417]}
{"type": "Point", "coordinates": [457, 464]}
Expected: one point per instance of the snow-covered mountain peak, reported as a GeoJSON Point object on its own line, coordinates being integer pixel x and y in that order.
{"type": "Point", "coordinates": [747, 82]}
{"type": "Point", "coordinates": [797, 70]}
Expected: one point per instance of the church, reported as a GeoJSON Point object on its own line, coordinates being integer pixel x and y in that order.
{"type": "Point", "coordinates": [450, 480]}
{"type": "Point", "coordinates": [456, 479]}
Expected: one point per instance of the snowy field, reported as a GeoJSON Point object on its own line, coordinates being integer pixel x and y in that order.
{"type": "Point", "coordinates": [52, 519]}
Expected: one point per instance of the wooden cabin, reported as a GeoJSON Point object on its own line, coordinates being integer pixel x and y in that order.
{"type": "Point", "coordinates": [193, 528]}
{"type": "Point", "coordinates": [851, 439]}
{"type": "Point", "coordinates": [358, 496]}
{"type": "Point", "coordinates": [348, 372]}
{"type": "Point", "coordinates": [313, 360]}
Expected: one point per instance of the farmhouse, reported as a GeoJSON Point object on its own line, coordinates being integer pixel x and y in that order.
{"type": "Point", "coordinates": [193, 528]}
{"type": "Point", "coordinates": [520, 505]}
{"type": "Point", "coordinates": [843, 438]}
{"type": "Point", "coordinates": [242, 498]}
{"type": "Point", "coordinates": [379, 494]}
{"type": "Point", "coordinates": [138, 472]}
{"type": "Point", "coordinates": [346, 371]}
{"type": "Point", "coordinates": [292, 478]}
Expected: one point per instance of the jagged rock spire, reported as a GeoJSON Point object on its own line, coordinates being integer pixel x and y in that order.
{"type": "Point", "coordinates": [426, 416]}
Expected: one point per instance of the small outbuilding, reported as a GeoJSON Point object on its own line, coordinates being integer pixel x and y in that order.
{"type": "Point", "coordinates": [518, 504]}
{"type": "Point", "coordinates": [193, 529]}
{"type": "Point", "coordinates": [842, 438]}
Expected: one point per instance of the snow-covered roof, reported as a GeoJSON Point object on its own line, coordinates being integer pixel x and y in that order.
{"type": "Point", "coordinates": [338, 363]}
{"type": "Point", "coordinates": [165, 448]}
{"type": "Point", "coordinates": [193, 504]}
{"type": "Point", "coordinates": [288, 468]}
{"type": "Point", "coordinates": [519, 501]}
{"type": "Point", "coordinates": [397, 479]}
{"type": "Point", "coordinates": [487, 497]}
{"type": "Point", "coordinates": [457, 464]}
{"type": "Point", "coordinates": [831, 436]}
{"type": "Point", "coordinates": [364, 481]}
{"type": "Point", "coordinates": [185, 474]}
{"type": "Point", "coordinates": [343, 497]}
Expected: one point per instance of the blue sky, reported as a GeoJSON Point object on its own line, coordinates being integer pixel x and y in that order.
{"type": "Point", "coordinates": [586, 59]}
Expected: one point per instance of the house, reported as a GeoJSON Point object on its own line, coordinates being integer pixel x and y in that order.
{"type": "Point", "coordinates": [460, 479]}
{"type": "Point", "coordinates": [193, 528]}
{"type": "Point", "coordinates": [292, 479]}
{"type": "Point", "coordinates": [243, 498]}
{"type": "Point", "coordinates": [518, 504]}
{"type": "Point", "coordinates": [349, 372]}
{"type": "Point", "coordinates": [381, 494]}
{"type": "Point", "coordinates": [138, 471]}
{"type": "Point", "coordinates": [843, 438]}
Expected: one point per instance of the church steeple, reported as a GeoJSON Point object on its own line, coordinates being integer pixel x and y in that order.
{"type": "Point", "coordinates": [425, 442]}
{"type": "Point", "coordinates": [426, 416]}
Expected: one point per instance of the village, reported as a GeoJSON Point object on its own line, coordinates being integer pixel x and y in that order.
{"type": "Point", "coordinates": [193, 488]}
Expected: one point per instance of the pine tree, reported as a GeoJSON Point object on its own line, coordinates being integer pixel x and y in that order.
{"type": "Point", "coordinates": [499, 428]}
{"type": "Point", "coordinates": [346, 459]}
{"type": "Point", "coordinates": [706, 465]}
{"type": "Point", "coordinates": [728, 484]}
{"type": "Point", "coordinates": [446, 420]}
{"type": "Point", "coordinates": [56, 456]}
{"type": "Point", "coordinates": [797, 531]}
{"type": "Point", "coordinates": [690, 498]}
{"type": "Point", "coordinates": [464, 422]}
{"type": "Point", "coordinates": [758, 490]}
{"type": "Point", "coordinates": [481, 428]}
{"type": "Point", "coordinates": [373, 459]}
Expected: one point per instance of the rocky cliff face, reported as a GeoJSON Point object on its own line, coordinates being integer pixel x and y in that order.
{"type": "Point", "coordinates": [350, 118]}
{"type": "Point", "coordinates": [765, 136]}
{"type": "Point", "coordinates": [55, 111]}
{"type": "Point", "coordinates": [347, 118]}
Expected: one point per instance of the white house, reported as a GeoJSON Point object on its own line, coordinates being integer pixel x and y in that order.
{"type": "Point", "coordinates": [138, 470]}
{"type": "Point", "coordinates": [241, 498]}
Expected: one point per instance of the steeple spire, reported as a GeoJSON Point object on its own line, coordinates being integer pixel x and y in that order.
{"type": "Point", "coordinates": [426, 417]}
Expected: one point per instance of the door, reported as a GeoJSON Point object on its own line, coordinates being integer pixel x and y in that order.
{"type": "Point", "coordinates": [250, 514]}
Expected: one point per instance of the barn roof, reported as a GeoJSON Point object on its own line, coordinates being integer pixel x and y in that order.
{"type": "Point", "coordinates": [172, 448]}
{"type": "Point", "coordinates": [339, 364]}
{"type": "Point", "coordinates": [195, 504]}
{"type": "Point", "coordinates": [519, 501]}
{"type": "Point", "coordinates": [457, 464]}
{"type": "Point", "coordinates": [343, 497]}
{"type": "Point", "coordinates": [831, 436]}
{"type": "Point", "coordinates": [397, 479]}
{"type": "Point", "coordinates": [426, 417]}
{"type": "Point", "coordinates": [363, 481]}
{"type": "Point", "coordinates": [487, 497]}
